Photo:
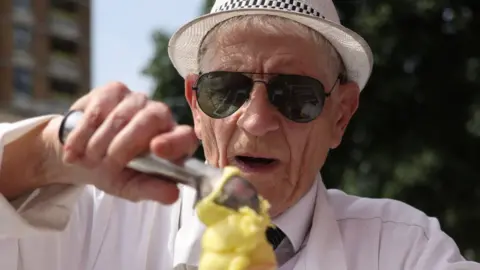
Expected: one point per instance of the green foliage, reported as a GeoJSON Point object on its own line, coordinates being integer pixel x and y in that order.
{"type": "Point", "coordinates": [416, 135]}
{"type": "Point", "coordinates": [169, 85]}
{"type": "Point", "coordinates": [207, 6]}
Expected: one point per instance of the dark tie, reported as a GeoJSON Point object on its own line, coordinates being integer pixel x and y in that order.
{"type": "Point", "coordinates": [275, 236]}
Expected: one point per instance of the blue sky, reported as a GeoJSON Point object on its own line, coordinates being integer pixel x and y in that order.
{"type": "Point", "coordinates": [122, 44]}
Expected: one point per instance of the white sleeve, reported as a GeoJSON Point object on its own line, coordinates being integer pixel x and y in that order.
{"type": "Point", "coordinates": [45, 209]}
{"type": "Point", "coordinates": [440, 252]}
{"type": "Point", "coordinates": [79, 228]}
{"type": "Point", "coordinates": [27, 224]}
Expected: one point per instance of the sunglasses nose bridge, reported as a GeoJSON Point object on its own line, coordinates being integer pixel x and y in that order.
{"type": "Point", "coordinates": [260, 97]}
{"type": "Point", "coordinates": [256, 88]}
{"type": "Point", "coordinates": [257, 81]}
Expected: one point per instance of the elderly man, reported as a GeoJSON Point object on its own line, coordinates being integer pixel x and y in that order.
{"type": "Point", "coordinates": [272, 85]}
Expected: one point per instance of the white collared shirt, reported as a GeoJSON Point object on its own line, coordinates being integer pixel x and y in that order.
{"type": "Point", "coordinates": [302, 212]}
{"type": "Point", "coordinates": [295, 232]}
{"type": "Point", "coordinates": [81, 228]}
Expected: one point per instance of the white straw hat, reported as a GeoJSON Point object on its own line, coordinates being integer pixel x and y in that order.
{"type": "Point", "coordinates": [319, 15]}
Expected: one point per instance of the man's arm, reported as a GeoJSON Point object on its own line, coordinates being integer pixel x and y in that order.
{"type": "Point", "coordinates": [117, 125]}
{"type": "Point", "coordinates": [440, 252]}
{"type": "Point", "coordinates": [27, 204]}
{"type": "Point", "coordinates": [79, 215]}
{"type": "Point", "coordinates": [41, 180]}
{"type": "Point", "coordinates": [22, 160]}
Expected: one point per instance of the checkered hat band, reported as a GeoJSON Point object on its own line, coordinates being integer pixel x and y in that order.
{"type": "Point", "coordinates": [287, 5]}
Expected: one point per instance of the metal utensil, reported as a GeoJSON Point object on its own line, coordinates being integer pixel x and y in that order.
{"type": "Point", "coordinates": [236, 192]}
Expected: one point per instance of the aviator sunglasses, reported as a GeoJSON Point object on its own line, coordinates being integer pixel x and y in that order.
{"type": "Point", "coordinates": [299, 98]}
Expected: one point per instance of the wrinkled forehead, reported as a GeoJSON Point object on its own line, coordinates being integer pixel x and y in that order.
{"type": "Point", "coordinates": [264, 47]}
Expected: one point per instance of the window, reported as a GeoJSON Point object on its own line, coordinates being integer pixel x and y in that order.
{"type": "Point", "coordinates": [66, 46]}
{"type": "Point", "coordinates": [22, 81]}
{"type": "Point", "coordinates": [22, 38]}
{"type": "Point", "coordinates": [63, 87]}
{"type": "Point", "coordinates": [68, 5]}
{"type": "Point", "coordinates": [21, 4]}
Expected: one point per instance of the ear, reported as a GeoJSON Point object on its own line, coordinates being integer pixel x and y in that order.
{"type": "Point", "coordinates": [347, 96]}
{"type": "Point", "coordinates": [191, 97]}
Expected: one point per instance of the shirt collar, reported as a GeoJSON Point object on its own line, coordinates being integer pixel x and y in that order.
{"type": "Point", "coordinates": [295, 222]}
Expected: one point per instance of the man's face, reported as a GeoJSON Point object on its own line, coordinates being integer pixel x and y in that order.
{"type": "Point", "coordinates": [258, 129]}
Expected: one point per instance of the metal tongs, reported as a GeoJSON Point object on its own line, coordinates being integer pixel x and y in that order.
{"type": "Point", "coordinates": [236, 192]}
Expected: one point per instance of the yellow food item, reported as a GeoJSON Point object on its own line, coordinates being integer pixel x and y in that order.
{"type": "Point", "coordinates": [234, 240]}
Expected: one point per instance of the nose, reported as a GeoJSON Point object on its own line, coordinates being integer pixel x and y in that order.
{"type": "Point", "coordinates": [259, 116]}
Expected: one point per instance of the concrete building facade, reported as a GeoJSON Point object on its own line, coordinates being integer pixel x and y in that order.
{"type": "Point", "coordinates": [44, 56]}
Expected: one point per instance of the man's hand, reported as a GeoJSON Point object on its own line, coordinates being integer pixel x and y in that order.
{"type": "Point", "coordinates": [117, 126]}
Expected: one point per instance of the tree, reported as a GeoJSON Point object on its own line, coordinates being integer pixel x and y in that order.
{"type": "Point", "coordinates": [416, 135]}
{"type": "Point", "coordinates": [169, 85]}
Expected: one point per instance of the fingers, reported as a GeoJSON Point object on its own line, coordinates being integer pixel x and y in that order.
{"type": "Point", "coordinates": [175, 145]}
{"type": "Point", "coordinates": [136, 136]}
{"type": "Point", "coordinates": [119, 118]}
{"type": "Point", "coordinates": [77, 140]}
{"type": "Point", "coordinates": [117, 126]}
{"type": "Point", "coordinates": [97, 107]}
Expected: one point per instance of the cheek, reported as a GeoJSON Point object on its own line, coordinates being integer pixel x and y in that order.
{"type": "Point", "coordinates": [216, 134]}
{"type": "Point", "coordinates": [310, 145]}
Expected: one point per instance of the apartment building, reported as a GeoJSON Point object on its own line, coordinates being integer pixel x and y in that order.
{"type": "Point", "coordinates": [44, 56]}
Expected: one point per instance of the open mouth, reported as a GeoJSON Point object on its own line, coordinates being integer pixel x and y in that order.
{"type": "Point", "coordinates": [255, 162]}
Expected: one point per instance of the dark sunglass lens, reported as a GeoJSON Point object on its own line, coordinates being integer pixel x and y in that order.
{"type": "Point", "coordinates": [220, 94]}
{"type": "Point", "coordinates": [299, 98]}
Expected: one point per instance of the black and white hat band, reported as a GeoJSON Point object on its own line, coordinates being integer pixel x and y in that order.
{"type": "Point", "coordinates": [319, 15]}
{"type": "Point", "coordinates": [286, 5]}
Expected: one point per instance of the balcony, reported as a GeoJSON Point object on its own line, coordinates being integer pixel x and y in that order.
{"type": "Point", "coordinates": [21, 58]}
{"type": "Point", "coordinates": [64, 25]}
{"type": "Point", "coordinates": [22, 16]}
{"type": "Point", "coordinates": [26, 106]}
{"type": "Point", "coordinates": [64, 67]}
